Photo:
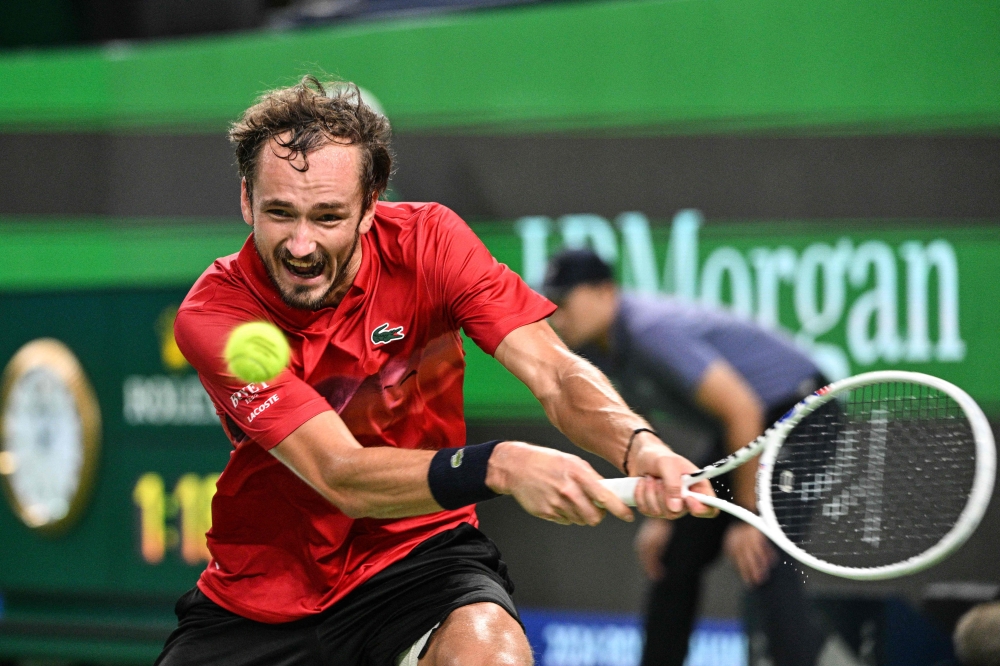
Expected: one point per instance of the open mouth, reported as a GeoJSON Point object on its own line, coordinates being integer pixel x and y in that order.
{"type": "Point", "coordinates": [304, 268]}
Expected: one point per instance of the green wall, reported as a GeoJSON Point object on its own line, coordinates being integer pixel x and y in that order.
{"type": "Point", "coordinates": [673, 65]}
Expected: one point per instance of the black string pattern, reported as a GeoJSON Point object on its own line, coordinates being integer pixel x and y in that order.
{"type": "Point", "coordinates": [876, 476]}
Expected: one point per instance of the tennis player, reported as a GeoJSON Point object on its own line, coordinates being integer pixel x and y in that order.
{"type": "Point", "coordinates": [344, 525]}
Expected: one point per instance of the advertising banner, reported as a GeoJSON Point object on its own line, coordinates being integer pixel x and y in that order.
{"type": "Point", "coordinates": [857, 295]}
{"type": "Point", "coordinates": [594, 639]}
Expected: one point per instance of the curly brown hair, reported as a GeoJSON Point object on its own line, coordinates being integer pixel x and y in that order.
{"type": "Point", "coordinates": [314, 114]}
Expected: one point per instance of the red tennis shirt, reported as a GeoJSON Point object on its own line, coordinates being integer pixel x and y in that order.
{"type": "Point", "coordinates": [388, 359]}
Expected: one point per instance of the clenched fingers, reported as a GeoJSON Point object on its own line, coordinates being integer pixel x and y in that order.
{"type": "Point", "coordinates": [555, 486]}
{"type": "Point", "coordinates": [605, 498]}
{"type": "Point", "coordinates": [577, 505]}
{"type": "Point", "coordinates": [695, 506]}
{"type": "Point", "coordinates": [652, 499]}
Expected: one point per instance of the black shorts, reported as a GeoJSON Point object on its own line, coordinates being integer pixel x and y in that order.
{"type": "Point", "coordinates": [371, 626]}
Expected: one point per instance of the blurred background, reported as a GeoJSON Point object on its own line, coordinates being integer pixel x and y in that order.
{"type": "Point", "coordinates": [828, 169]}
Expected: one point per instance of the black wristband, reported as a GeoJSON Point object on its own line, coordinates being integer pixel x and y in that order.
{"type": "Point", "coordinates": [457, 476]}
{"type": "Point", "coordinates": [628, 448]}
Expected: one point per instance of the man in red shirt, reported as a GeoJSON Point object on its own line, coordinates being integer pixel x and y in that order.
{"type": "Point", "coordinates": [344, 525]}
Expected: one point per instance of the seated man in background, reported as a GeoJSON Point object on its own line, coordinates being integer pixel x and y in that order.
{"type": "Point", "coordinates": [729, 375]}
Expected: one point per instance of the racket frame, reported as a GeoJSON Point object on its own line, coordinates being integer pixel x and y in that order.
{"type": "Point", "coordinates": [769, 444]}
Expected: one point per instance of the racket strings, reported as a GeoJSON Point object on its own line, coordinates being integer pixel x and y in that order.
{"type": "Point", "coordinates": [875, 477]}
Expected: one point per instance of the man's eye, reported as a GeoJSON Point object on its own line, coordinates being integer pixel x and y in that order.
{"type": "Point", "coordinates": [329, 218]}
{"type": "Point", "coordinates": [277, 212]}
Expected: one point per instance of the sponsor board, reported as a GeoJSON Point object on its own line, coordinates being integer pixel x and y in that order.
{"type": "Point", "coordinates": [593, 639]}
{"type": "Point", "coordinates": [175, 398]}
{"type": "Point", "coordinates": [857, 295]}
{"type": "Point", "coordinates": [852, 302]}
{"type": "Point", "coordinates": [162, 400]}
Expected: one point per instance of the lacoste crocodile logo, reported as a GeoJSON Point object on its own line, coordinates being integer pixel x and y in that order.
{"type": "Point", "coordinates": [383, 335]}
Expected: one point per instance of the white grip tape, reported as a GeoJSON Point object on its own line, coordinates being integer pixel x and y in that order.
{"type": "Point", "coordinates": [624, 487]}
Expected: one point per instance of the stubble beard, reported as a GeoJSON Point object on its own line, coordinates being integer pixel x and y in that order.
{"type": "Point", "coordinates": [297, 296]}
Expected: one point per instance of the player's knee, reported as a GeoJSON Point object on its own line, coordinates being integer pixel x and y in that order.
{"type": "Point", "coordinates": [484, 655]}
{"type": "Point", "coordinates": [479, 635]}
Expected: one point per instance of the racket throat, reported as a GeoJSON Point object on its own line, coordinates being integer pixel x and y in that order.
{"type": "Point", "coordinates": [745, 515]}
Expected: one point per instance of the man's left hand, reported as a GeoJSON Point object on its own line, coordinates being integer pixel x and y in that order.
{"type": "Point", "coordinates": [658, 494]}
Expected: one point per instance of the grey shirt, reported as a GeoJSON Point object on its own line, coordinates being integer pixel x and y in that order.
{"type": "Point", "coordinates": [660, 349]}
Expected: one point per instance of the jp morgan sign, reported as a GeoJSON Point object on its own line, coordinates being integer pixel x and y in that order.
{"type": "Point", "coordinates": [854, 299]}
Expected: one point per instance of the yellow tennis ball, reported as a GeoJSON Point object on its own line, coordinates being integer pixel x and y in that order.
{"type": "Point", "coordinates": [257, 351]}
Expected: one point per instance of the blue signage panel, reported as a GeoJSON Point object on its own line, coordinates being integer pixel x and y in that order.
{"type": "Point", "coordinates": [596, 639]}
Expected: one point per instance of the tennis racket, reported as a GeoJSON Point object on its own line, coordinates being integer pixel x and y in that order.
{"type": "Point", "coordinates": [875, 476]}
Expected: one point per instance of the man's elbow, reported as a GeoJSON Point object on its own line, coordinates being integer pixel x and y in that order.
{"type": "Point", "coordinates": [335, 489]}
{"type": "Point", "coordinates": [355, 503]}
{"type": "Point", "coordinates": [356, 507]}
{"type": "Point", "coordinates": [350, 504]}
{"type": "Point", "coordinates": [347, 500]}
{"type": "Point", "coordinates": [333, 476]}
{"type": "Point", "coordinates": [356, 510]}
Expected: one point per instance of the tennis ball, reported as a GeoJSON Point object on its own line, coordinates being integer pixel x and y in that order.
{"type": "Point", "coordinates": [256, 351]}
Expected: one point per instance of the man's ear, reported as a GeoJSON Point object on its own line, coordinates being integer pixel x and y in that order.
{"type": "Point", "coordinates": [246, 206]}
{"type": "Point", "coordinates": [369, 215]}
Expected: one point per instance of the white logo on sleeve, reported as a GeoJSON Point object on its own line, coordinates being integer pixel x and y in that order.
{"type": "Point", "coordinates": [261, 407]}
{"type": "Point", "coordinates": [247, 394]}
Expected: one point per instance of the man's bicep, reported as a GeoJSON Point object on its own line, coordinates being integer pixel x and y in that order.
{"type": "Point", "coordinates": [534, 354]}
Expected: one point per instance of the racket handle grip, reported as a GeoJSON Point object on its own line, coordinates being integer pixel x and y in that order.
{"type": "Point", "coordinates": [623, 487]}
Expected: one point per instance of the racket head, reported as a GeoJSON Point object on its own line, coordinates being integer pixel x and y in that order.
{"type": "Point", "coordinates": [863, 506]}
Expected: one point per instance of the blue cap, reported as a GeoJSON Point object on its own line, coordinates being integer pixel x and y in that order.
{"type": "Point", "coordinates": [571, 268]}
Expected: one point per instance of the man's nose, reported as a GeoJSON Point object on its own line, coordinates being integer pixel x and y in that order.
{"type": "Point", "coordinates": [301, 243]}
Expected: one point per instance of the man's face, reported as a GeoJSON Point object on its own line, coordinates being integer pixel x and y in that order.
{"type": "Point", "coordinates": [586, 313]}
{"type": "Point", "coordinates": [306, 224]}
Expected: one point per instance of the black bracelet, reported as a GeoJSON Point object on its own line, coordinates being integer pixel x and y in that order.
{"type": "Point", "coordinates": [631, 439]}
{"type": "Point", "coordinates": [457, 476]}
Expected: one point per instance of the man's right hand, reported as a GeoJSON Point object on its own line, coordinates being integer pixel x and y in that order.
{"type": "Point", "coordinates": [552, 485]}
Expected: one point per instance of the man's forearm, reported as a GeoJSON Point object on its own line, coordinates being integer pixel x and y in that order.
{"type": "Point", "coordinates": [374, 482]}
{"type": "Point", "coordinates": [578, 399]}
{"type": "Point", "coordinates": [386, 482]}
{"type": "Point", "coordinates": [589, 411]}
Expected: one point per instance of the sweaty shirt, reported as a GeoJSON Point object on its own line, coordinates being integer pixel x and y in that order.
{"type": "Point", "coordinates": [388, 359]}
